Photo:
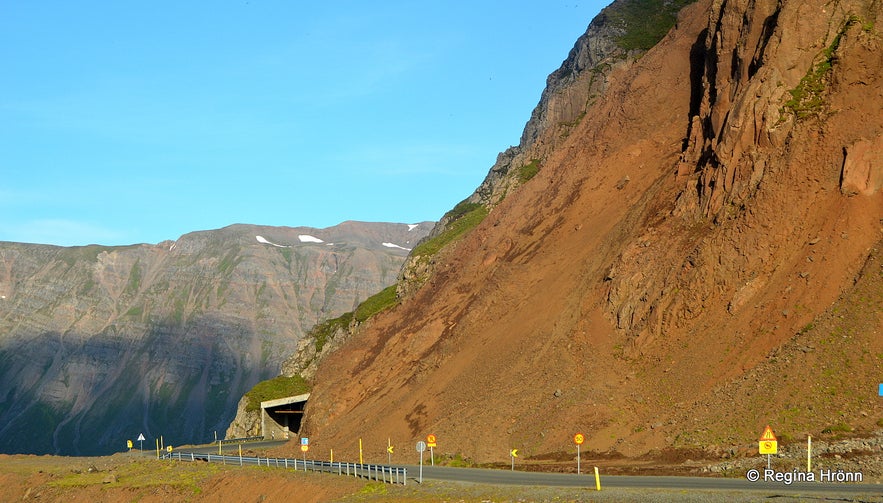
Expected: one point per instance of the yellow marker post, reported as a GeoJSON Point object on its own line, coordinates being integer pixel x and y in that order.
{"type": "Point", "coordinates": [332, 455]}
{"type": "Point", "coordinates": [597, 480]}
{"type": "Point", "coordinates": [361, 461]}
{"type": "Point", "coordinates": [157, 448]}
{"type": "Point", "coordinates": [808, 453]}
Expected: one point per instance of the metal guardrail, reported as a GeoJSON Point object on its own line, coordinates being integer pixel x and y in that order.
{"type": "Point", "coordinates": [243, 440]}
{"type": "Point", "coordinates": [381, 473]}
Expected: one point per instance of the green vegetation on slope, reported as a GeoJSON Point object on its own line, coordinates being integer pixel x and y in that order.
{"type": "Point", "coordinates": [323, 331]}
{"type": "Point", "coordinates": [529, 170]}
{"type": "Point", "coordinates": [464, 217]}
{"type": "Point", "coordinates": [278, 387]}
{"type": "Point", "coordinates": [385, 299]}
{"type": "Point", "coordinates": [643, 23]}
{"type": "Point", "coordinates": [807, 98]}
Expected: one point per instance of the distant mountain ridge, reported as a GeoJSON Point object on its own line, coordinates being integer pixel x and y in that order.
{"type": "Point", "coordinates": [99, 344]}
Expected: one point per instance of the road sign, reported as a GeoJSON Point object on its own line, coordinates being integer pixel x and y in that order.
{"type": "Point", "coordinates": [768, 447]}
{"type": "Point", "coordinates": [304, 441]}
{"type": "Point", "coordinates": [514, 453]}
{"type": "Point", "coordinates": [140, 437]}
{"type": "Point", "coordinates": [129, 444]}
{"type": "Point", "coordinates": [421, 447]}
{"type": "Point", "coordinates": [304, 447]}
{"type": "Point", "coordinates": [430, 441]}
{"type": "Point", "coordinates": [389, 448]}
{"type": "Point", "coordinates": [578, 439]}
{"type": "Point", "coordinates": [768, 443]}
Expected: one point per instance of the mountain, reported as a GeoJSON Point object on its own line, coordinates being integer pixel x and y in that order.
{"type": "Point", "coordinates": [99, 344]}
{"type": "Point", "coordinates": [684, 248]}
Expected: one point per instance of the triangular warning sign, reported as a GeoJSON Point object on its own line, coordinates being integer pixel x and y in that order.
{"type": "Point", "coordinates": [768, 435]}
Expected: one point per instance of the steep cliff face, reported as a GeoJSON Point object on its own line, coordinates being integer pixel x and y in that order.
{"type": "Point", "coordinates": [685, 267]}
{"type": "Point", "coordinates": [99, 344]}
{"type": "Point", "coordinates": [622, 32]}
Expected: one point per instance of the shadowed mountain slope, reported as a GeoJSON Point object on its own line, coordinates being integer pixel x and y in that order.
{"type": "Point", "coordinates": [99, 344]}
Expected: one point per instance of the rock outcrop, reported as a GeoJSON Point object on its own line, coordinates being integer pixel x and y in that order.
{"type": "Point", "coordinates": [619, 34]}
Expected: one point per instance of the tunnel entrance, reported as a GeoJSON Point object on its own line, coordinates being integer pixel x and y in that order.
{"type": "Point", "coordinates": [281, 418]}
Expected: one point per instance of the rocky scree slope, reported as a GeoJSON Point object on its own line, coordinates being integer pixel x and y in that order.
{"type": "Point", "coordinates": [620, 33]}
{"type": "Point", "coordinates": [99, 344]}
{"type": "Point", "coordinates": [714, 212]}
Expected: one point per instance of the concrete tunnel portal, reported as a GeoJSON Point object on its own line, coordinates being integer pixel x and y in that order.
{"type": "Point", "coordinates": [281, 418]}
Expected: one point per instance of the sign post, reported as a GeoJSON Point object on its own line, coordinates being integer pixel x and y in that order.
{"type": "Point", "coordinates": [768, 444]}
{"type": "Point", "coordinates": [513, 454]}
{"type": "Point", "coordinates": [578, 439]}
{"type": "Point", "coordinates": [389, 449]}
{"type": "Point", "coordinates": [430, 442]}
{"type": "Point", "coordinates": [304, 447]}
{"type": "Point", "coordinates": [141, 442]}
{"type": "Point", "coordinates": [421, 446]}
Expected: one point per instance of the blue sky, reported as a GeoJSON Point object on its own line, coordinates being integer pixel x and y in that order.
{"type": "Point", "coordinates": [135, 122]}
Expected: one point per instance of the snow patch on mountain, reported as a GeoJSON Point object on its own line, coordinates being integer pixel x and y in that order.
{"type": "Point", "coordinates": [393, 245]}
{"type": "Point", "coordinates": [262, 239]}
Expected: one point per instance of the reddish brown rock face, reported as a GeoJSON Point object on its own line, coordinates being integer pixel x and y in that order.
{"type": "Point", "coordinates": [732, 282]}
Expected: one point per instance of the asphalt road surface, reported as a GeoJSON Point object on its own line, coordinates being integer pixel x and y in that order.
{"type": "Point", "coordinates": [507, 477]}
{"type": "Point", "coordinates": [484, 476]}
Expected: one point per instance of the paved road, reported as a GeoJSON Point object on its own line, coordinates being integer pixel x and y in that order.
{"type": "Point", "coordinates": [484, 476]}
{"type": "Point", "coordinates": [508, 477]}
